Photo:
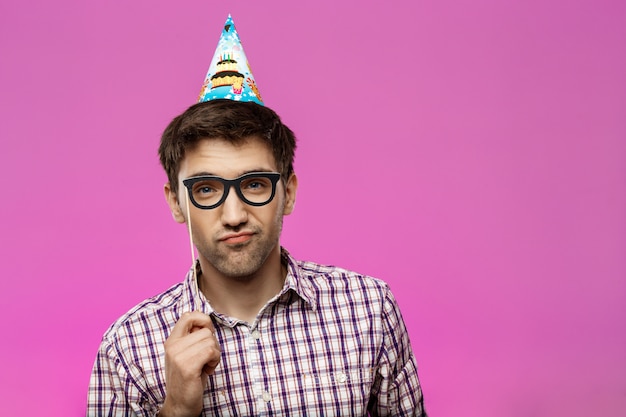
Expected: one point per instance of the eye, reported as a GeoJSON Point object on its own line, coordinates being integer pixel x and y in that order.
{"type": "Point", "coordinates": [255, 184]}
{"type": "Point", "coordinates": [205, 188]}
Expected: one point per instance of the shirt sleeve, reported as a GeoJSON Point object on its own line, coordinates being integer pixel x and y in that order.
{"type": "Point", "coordinates": [113, 390]}
{"type": "Point", "coordinates": [397, 390]}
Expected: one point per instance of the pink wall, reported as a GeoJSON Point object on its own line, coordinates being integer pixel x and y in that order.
{"type": "Point", "coordinates": [471, 153]}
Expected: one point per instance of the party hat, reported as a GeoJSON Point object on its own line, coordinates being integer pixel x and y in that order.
{"type": "Point", "coordinates": [229, 74]}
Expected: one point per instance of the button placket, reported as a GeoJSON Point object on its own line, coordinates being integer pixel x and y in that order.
{"type": "Point", "coordinates": [254, 348]}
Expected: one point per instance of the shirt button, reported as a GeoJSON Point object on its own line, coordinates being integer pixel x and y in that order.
{"type": "Point", "coordinates": [266, 396]}
{"type": "Point", "coordinates": [255, 335]}
{"type": "Point", "coordinates": [341, 377]}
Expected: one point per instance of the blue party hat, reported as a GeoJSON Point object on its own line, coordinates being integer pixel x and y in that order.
{"type": "Point", "coordinates": [229, 74]}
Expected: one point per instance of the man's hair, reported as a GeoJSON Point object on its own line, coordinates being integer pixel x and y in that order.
{"type": "Point", "coordinates": [230, 120]}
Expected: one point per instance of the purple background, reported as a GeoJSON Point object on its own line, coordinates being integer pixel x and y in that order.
{"type": "Point", "coordinates": [470, 153]}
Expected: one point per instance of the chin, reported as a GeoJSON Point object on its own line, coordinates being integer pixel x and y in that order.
{"type": "Point", "coordinates": [239, 267]}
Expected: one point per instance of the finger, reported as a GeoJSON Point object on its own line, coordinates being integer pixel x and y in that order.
{"type": "Point", "coordinates": [193, 353]}
{"type": "Point", "coordinates": [199, 350]}
{"type": "Point", "coordinates": [209, 368]}
{"type": "Point", "coordinates": [190, 320]}
{"type": "Point", "coordinates": [196, 328]}
{"type": "Point", "coordinates": [205, 345]}
{"type": "Point", "coordinates": [212, 362]}
{"type": "Point", "coordinates": [202, 337]}
{"type": "Point", "coordinates": [200, 340]}
{"type": "Point", "coordinates": [199, 335]}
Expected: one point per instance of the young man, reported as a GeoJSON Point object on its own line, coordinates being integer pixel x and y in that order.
{"type": "Point", "coordinates": [251, 331]}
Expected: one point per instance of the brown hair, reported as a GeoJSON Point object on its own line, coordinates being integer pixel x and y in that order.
{"type": "Point", "coordinates": [231, 120]}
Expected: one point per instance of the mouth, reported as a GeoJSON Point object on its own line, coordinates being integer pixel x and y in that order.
{"type": "Point", "coordinates": [236, 238]}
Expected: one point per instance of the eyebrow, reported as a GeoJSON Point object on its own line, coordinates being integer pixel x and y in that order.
{"type": "Point", "coordinates": [210, 174]}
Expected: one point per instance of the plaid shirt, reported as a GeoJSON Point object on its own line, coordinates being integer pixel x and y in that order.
{"type": "Point", "coordinates": [331, 343]}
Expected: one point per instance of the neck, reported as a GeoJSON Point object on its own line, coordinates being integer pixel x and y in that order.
{"type": "Point", "coordinates": [242, 297]}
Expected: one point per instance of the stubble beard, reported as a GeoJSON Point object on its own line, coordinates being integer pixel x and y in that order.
{"type": "Point", "coordinates": [243, 260]}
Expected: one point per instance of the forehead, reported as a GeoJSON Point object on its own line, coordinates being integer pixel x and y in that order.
{"type": "Point", "coordinates": [224, 158]}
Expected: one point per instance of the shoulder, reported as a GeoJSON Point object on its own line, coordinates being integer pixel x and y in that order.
{"type": "Point", "coordinates": [333, 284]}
{"type": "Point", "coordinates": [334, 275]}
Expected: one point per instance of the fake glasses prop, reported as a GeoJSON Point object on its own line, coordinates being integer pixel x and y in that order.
{"type": "Point", "coordinates": [255, 188]}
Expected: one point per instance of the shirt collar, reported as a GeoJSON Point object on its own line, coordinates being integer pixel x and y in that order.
{"type": "Point", "coordinates": [295, 281]}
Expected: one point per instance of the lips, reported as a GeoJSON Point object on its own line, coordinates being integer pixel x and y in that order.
{"type": "Point", "coordinates": [235, 238]}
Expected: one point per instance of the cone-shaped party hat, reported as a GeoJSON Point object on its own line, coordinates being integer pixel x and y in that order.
{"type": "Point", "coordinates": [229, 74]}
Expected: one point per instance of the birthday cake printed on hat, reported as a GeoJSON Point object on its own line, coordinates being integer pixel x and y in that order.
{"type": "Point", "coordinates": [229, 76]}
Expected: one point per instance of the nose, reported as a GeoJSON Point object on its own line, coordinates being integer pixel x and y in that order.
{"type": "Point", "coordinates": [234, 211]}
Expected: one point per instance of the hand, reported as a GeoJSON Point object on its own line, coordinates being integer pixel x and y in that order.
{"type": "Point", "coordinates": [191, 353]}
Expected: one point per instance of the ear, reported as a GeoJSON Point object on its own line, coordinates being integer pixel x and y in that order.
{"type": "Point", "coordinates": [172, 201]}
{"type": "Point", "coordinates": [290, 194]}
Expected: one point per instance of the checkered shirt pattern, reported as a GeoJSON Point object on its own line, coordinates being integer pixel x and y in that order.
{"type": "Point", "coordinates": [331, 343]}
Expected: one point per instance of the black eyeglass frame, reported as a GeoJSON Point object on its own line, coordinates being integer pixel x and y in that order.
{"type": "Point", "coordinates": [274, 177]}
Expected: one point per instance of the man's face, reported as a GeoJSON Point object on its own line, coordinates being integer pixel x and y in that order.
{"type": "Point", "coordinates": [235, 239]}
